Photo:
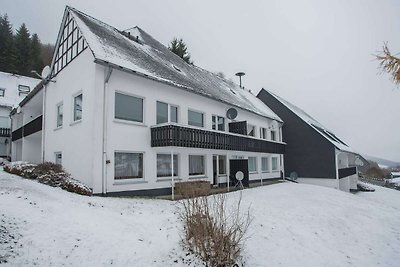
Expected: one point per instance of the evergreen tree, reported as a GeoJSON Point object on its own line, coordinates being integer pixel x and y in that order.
{"type": "Point", "coordinates": [7, 48]}
{"type": "Point", "coordinates": [179, 47]}
{"type": "Point", "coordinates": [36, 57]}
{"type": "Point", "coordinates": [23, 49]}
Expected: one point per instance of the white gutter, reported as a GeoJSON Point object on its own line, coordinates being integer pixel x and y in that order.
{"type": "Point", "coordinates": [104, 139]}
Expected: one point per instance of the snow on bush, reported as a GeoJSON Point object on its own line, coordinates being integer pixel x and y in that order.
{"type": "Point", "coordinates": [48, 173]}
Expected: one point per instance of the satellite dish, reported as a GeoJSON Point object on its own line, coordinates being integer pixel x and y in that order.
{"type": "Point", "coordinates": [359, 162]}
{"type": "Point", "coordinates": [293, 176]}
{"type": "Point", "coordinates": [45, 72]}
{"type": "Point", "coordinates": [239, 176]}
{"type": "Point", "coordinates": [274, 124]}
{"type": "Point", "coordinates": [231, 113]}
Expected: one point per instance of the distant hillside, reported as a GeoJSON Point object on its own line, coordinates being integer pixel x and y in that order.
{"type": "Point", "coordinates": [385, 162]}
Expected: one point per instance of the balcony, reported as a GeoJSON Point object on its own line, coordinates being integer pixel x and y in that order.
{"type": "Point", "coordinates": [347, 172]}
{"type": "Point", "coordinates": [5, 132]}
{"type": "Point", "coordinates": [186, 136]}
{"type": "Point", "coordinates": [28, 129]}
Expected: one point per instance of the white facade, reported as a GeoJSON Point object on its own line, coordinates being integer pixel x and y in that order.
{"type": "Point", "coordinates": [81, 142]}
{"type": "Point", "coordinates": [13, 88]}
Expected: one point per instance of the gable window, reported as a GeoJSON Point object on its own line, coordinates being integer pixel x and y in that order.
{"type": "Point", "coordinates": [274, 164]}
{"type": "Point", "coordinates": [23, 90]}
{"type": "Point", "coordinates": [128, 107]}
{"type": "Point", "coordinates": [197, 165]}
{"type": "Point", "coordinates": [251, 130]}
{"type": "Point", "coordinates": [263, 133]}
{"type": "Point", "coordinates": [164, 165]}
{"type": "Point", "coordinates": [2, 92]}
{"type": "Point", "coordinates": [166, 113]}
{"type": "Point", "coordinates": [128, 165]}
{"type": "Point", "coordinates": [273, 135]}
{"type": "Point", "coordinates": [264, 164]}
{"type": "Point", "coordinates": [78, 107]}
{"type": "Point", "coordinates": [195, 118]}
{"type": "Point", "coordinates": [58, 158]}
{"type": "Point", "coordinates": [218, 123]}
{"type": "Point", "coordinates": [252, 162]}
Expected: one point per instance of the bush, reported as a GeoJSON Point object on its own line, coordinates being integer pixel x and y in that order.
{"type": "Point", "coordinates": [193, 188]}
{"type": "Point", "coordinates": [50, 174]}
{"type": "Point", "coordinates": [212, 232]}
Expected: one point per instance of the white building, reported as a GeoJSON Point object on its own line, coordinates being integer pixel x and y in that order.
{"type": "Point", "coordinates": [120, 104]}
{"type": "Point", "coordinates": [13, 88]}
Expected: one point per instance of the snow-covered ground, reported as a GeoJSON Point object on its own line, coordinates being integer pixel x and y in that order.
{"type": "Point", "coordinates": [395, 180]}
{"type": "Point", "coordinates": [293, 225]}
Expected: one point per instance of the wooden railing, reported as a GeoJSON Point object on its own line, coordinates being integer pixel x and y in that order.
{"type": "Point", "coordinates": [5, 132]}
{"type": "Point", "coordinates": [181, 136]}
{"type": "Point", "coordinates": [31, 127]}
{"type": "Point", "coordinates": [347, 172]}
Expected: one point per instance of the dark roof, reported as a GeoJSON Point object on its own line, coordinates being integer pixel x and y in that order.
{"type": "Point", "coordinates": [145, 56]}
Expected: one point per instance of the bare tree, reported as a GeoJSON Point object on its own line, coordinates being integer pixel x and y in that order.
{"type": "Point", "coordinates": [389, 63]}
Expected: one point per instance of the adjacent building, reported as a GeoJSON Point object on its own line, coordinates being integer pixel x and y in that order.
{"type": "Point", "coordinates": [125, 115]}
{"type": "Point", "coordinates": [13, 88]}
{"type": "Point", "coordinates": [314, 154]}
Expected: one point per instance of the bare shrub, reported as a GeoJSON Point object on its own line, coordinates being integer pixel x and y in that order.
{"type": "Point", "coordinates": [46, 167]}
{"type": "Point", "coordinates": [213, 231]}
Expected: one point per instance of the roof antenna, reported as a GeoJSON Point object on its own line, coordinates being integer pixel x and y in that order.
{"type": "Point", "coordinates": [240, 74]}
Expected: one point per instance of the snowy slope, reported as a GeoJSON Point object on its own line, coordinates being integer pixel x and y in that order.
{"type": "Point", "coordinates": [294, 225]}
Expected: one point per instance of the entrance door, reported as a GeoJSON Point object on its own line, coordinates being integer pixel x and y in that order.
{"type": "Point", "coordinates": [239, 165]}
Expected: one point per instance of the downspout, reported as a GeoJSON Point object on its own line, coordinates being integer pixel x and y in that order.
{"type": "Point", "coordinates": [104, 141]}
{"type": "Point", "coordinates": [43, 120]}
{"type": "Point", "coordinates": [337, 168]}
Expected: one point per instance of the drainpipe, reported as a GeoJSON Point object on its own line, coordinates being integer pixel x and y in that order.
{"type": "Point", "coordinates": [337, 168]}
{"type": "Point", "coordinates": [43, 120]}
{"type": "Point", "coordinates": [104, 141]}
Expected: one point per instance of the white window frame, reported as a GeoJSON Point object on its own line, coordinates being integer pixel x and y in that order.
{"type": "Point", "coordinates": [73, 121]}
{"type": "Point", "coordinates": [178, 169]}
{"type": "Point", "coordinates": [55, 157]}
{"type": "Point", "coordinates": [275, 134]}
{"type": "Point", "coordinates": [2, 92]}
{"type": "Point", "coordinates": [130, 180]}
{"type": "Point", "coordinates": [226, 165]}
{"type": "Point", "coordinates": [205, 166]}
{"type": "Point", "coordinates": [268, 165]}
{"type": "Point", "coordinates": [169, 112]}
{"type": "Point", "coordinates": [216, 122]}
{"type": "Point", "coordinates": [263, 133]}
{"type": "Point", "coordinates": [255, 130]}
{"type": "Point", "coordinates": [23, 92]}
{"type": "Point", "coordinates": [129, 121]}
{"type": "Point", "coordinates": [256, 171]}
{"type": "Point", "coordinates": [277, 164]}
{"type": "Point", "coordinates": [62, 122]}
{"type": "Point", "coordinates": [197, 111]}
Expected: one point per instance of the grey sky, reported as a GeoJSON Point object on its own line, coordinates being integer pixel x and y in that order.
{"type": "Point", "coordinates": [316, 54]}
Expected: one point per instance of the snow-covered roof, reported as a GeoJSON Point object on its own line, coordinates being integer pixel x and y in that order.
{"type": "Point", "coordinates": [10, 82]}
{"type": "Point", "coordinates": [325, 132]}
{"type": "Point", "coordinates": [142, 54]}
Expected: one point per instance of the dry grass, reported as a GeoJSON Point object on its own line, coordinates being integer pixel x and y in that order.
{"type": "Point", "coordinates": [389, 63]}
{"type": "Point", "coordinates": [190, 189]}
{"type": "Point", "coordinates": [213, 230]}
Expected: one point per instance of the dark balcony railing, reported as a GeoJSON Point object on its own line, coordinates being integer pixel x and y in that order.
{"type": "Point", "coordinates": [347, 172]}
{"type": "Point", "coordinates": [5, 132]}
{"type": "Point", "coordinates": [180, 136]}
{"type": "Point", "coordinates": [31, 127]}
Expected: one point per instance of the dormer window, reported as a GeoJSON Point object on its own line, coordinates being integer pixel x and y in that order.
{"type": "Point", "coordinates": [23, 90]}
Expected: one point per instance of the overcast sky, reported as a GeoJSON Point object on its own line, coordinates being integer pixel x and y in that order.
{"type": "Point", "coordinates": [316, 54]}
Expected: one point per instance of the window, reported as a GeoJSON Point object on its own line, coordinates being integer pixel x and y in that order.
{"type": "Point", "coordinates": [59, 115]}
{"type": "Point", "coordinates": [195, 118]}
{"type": "Point", "coordinates": [78, 107]}
{"type": "Point", "coordinates": [197, 165]}
{"type": "Point", "coordinates": [2, 92]}
{"type": "Point", "coordinates": [58, 156]}
{"type": "Point", "coordinates": [23, 90]}
{"type": "Point", "coordinates": [274, 164]}
{"type": "Point", "coordinates": [264, 165]}
{"type": "Point", "coordinates": [128, 107]}
{"type": "Point", "coordinates": [263, 133]}
{"type": "Point", "coordinates": [222, 165]}
{"type": "Point", "coordinates": [218, 123]}
{"type": "Point", "coordinates": [273, 135]}
{"type": "Point", "coordinates": [128, 165]}
{"type": "Point", "coordinates": [162, 113]}
{"type": "Point", "coordinates": [251, 130]}
{"type": "Point", "coordinates": [252, 161]}
{"type": "Point", "coordinates": [164, 165]}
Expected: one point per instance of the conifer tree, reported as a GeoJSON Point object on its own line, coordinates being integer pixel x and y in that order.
{"type": "Point", "coordinates": [179, 47]}
{"type": "Point", "coordinates": [23, 49]}
{"type": "Point", "coordinates": [36, 57]}
{"type": "Point", "coordinates": [7, 48]}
